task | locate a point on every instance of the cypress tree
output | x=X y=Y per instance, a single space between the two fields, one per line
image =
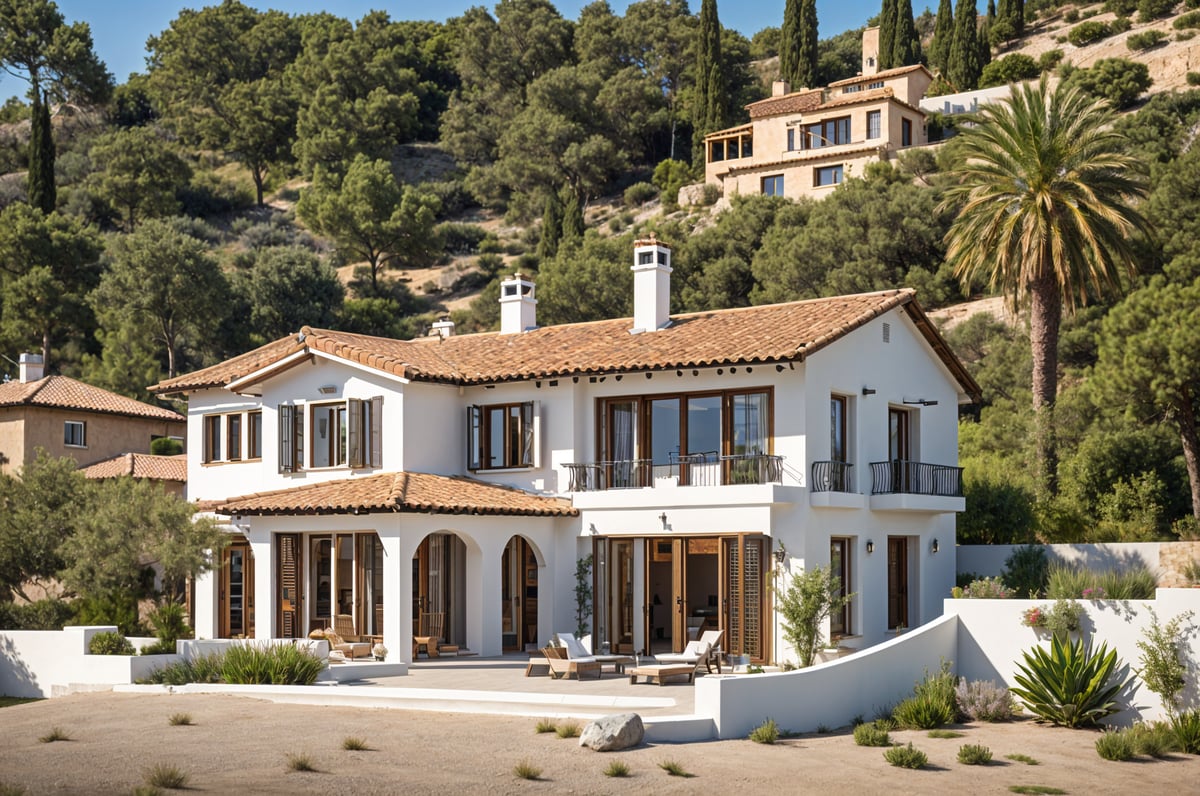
x=708 y=112
x=572 y=222
x=40 y=179
x=907 y=48
x=789 y=42
x=1017 y=16
x=962 y=64
x=983 y=39
x=552 y=229
x=806 y=66
x=887 y=33
x=943 y=34
x=991 y=10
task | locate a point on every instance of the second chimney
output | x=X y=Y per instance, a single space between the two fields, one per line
x=651 y=285
x=518 y=307
x=31 y=367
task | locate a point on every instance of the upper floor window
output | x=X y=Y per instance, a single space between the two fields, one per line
x=501 y=436
x=827 y=175
x=791 y=139
x=212 y=438
x=899 y=440
x=232 y=437
x=254 y=435
x=905 y=132
x=233 y=434
x=829 y=132
x=838 y=431
x=75 y=433
x=874 y=119
x=773 y=185
x=345 y=433
x=875 y=84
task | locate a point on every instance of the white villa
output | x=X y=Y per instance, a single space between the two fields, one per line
x=691 y=456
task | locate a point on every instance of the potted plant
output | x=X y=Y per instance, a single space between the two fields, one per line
x=379 y=651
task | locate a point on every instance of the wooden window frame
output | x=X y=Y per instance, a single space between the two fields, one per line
x=212 y=435
x=840 y=621
x=254 y=435
x=838 y=171
x=839 y=428
x=906 y=132
x=233 y=437
x=291 y=438
x=519 y=436
x=776 y=182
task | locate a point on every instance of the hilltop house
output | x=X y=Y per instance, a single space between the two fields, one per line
x=67 y=417
x=691 y=456
x=804 y=143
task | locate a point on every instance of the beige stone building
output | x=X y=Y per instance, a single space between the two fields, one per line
x=805 y=143
x=69 y=418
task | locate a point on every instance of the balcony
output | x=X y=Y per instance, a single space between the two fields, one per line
x=905 y=485
x=831 y=486
x=697 y=469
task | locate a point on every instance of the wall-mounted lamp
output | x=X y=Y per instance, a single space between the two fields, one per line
x=933 y=548
x=663 y=518
x=327 y=389
x=868 y=390
x=870 y=547
x=919 y=402
x=780 y=553
x=592 y=528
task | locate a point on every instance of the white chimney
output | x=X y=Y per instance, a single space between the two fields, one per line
x=443 y=328
x=651 y=284
x=518 y=307
x=781 y=88
x=31 y=366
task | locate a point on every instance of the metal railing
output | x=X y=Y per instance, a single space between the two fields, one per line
x=693 y=469
x=832 y=476
x=901 y=476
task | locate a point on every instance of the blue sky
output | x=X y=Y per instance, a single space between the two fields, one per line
x=120 y=27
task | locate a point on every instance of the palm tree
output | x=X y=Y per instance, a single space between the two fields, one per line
x=1044 y=188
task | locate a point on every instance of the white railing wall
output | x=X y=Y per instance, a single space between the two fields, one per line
x=828 y=694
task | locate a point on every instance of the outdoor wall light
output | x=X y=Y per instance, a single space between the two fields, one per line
x=780 y=554
x=870 y=547
x=327 y=389
x=920 y=402
x=868 y=390
x=933 y=548
x=663 y=518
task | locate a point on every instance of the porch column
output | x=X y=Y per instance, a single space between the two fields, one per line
x=264 y=582
x=484 y=592
x=397 y=599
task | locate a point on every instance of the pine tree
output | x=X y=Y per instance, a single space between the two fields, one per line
x=40 y=180
x=907 y=47
x=943 y=34
x=887 y=33
x=708 y=111
x=806 y=66
x=963 y=67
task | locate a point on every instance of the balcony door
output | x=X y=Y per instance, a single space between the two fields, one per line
x=236 y=588
x=897 y=568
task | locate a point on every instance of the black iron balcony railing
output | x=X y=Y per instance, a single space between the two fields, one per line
x=901 y=476
x=831 y=476
x=694 y=469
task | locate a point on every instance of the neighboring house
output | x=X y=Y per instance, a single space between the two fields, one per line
x=692 y=456
x=170 y=471
x=805 y=143
x=69 y=418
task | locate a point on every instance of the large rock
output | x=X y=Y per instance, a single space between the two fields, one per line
x=613 y=733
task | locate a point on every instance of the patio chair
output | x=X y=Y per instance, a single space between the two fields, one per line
x=579 y=660
x=343 y=639
x=429 y=633
x=713 y=639
x=695 y=653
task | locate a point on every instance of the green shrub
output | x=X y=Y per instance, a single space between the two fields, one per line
x=710 y=194
x=1025 y=569
x=1071 y=15
x=1155 y=739
x=1020 y=758
x=1193 y=79
x=569 y=729
x=459 y=238
x=1122 y=8
x=983 y=700
x=544 y=726
x=871 y=735
x=1074 y=583
x=40 y=615
x=352 y=743
x=617 y=768
x=974 y=755
x=110 y=643
x=1120 y=25
x=204 y=669
x=1011 y=68
x=1145 y=40
x=159 y=648
x=162 y=775
x=1070 y=685
x=1050 y=59
x=526 y=770
x=1189 y=20
x=984 y=589
x=1187 y=731
x=1185 y=35
x=639 y=193
x=301 y=761
x=55 y=734
x=1164 y=670
x=767 y=732
x=277 y=664
x=180 y=719
x=924 y=712
x=940 y=685
x=906 y=757
x=1115 y=745
x=1086 y=33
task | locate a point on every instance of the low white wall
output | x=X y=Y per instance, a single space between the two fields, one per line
x=190 y=649
x=988 y=559
x=991 y=640
x=46 y=663
x=828 y=694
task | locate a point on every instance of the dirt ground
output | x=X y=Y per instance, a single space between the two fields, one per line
x=242 y=745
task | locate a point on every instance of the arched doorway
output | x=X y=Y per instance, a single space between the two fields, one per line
x=519 y=595
x=439 y=568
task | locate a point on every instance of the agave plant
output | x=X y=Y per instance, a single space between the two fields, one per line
x=1070 y=685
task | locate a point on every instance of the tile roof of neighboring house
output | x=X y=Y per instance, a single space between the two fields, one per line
x=746 y=335
x=807 y=156
x=140 y=465
x=741 y=128
x=63 y=392
x=796 y=102
x=397 y=492
x=884 y=75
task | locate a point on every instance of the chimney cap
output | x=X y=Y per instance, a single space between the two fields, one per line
x=651 y=241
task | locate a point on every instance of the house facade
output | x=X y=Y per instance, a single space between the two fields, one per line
x=687 y=460
x=67 y=417
x=805 y=143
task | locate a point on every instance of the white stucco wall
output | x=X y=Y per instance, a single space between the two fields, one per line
x=988 y=560
x=48 y=663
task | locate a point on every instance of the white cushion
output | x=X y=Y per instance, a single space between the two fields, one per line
x=575 y=650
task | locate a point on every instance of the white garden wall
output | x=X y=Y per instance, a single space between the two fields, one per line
x=988 y=559
x=47 y=663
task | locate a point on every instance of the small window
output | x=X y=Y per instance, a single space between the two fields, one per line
x=254 y=435
x=501 y=436
x=873 y=124
x=329 y=433
x=827 y=175
x=905 y=132
x=645 y=258
x=716 y=151
x=291 y=438
x=731 y=149
x=75 y=433
x=212 y=438
x=876 y=84
x=773 y=186
x=233 y=437
x=791 y=139
x=839 y=567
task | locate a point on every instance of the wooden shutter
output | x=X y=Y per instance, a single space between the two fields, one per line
x=474 y=437
x=287 y=442
x=529 y=441
x=376 y=431
x=288 y=552
x=354 y=424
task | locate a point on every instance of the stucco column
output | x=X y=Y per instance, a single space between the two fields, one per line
x=397 y=608
x=483 y=591
x=264 y=580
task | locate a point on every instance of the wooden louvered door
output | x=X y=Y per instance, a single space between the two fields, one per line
x=744 y=595
x=290 y=597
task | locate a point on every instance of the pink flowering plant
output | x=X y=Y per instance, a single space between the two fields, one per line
x=1094 y=593
x=1034 y=617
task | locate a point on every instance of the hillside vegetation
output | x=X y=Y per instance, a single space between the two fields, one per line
x=270 y=171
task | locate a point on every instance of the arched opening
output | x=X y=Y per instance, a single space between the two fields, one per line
x=439 y=568
x=519 y=595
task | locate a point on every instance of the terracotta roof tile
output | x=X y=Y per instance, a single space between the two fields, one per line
x=884 y=75
x=63 y=392
x=799 y=156
x=741 y=128
x=140 y=465
x=796 y=102
x=747 y=335
x=398 y=492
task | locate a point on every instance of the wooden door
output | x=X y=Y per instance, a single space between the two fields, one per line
x=897 y=582
x=744 y=587
x=679 y=592
x=290 y=596
x=236 y=592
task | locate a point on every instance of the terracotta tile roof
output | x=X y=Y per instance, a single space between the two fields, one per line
x=873 y=95
x=807 y=156
x=741 y=128
x=398 y=492
x=140 y=465
x=884 y=75
x=63 y=392
x=796 y=102
x=746 y=335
